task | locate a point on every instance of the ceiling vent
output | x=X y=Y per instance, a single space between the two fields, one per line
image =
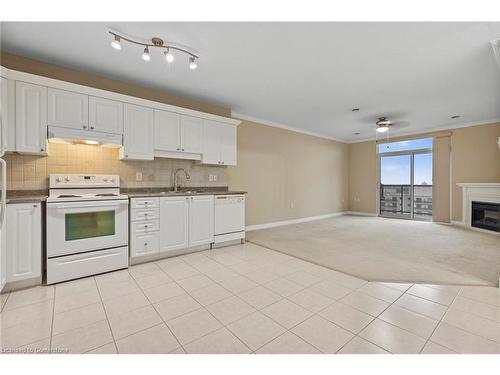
x=495 y=44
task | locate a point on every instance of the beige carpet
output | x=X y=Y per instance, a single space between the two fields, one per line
x=382 y=249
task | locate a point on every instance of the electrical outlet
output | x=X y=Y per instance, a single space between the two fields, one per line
x=215 y=177
x=138 y=176
x=210 y=177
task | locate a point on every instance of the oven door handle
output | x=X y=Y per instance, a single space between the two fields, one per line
x=90 y=205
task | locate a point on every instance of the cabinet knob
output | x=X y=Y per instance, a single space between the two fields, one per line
x=182 y=149
x=145 y=226
x=35 y=205
x=42 y=149
x=145 y=244
x=91 y=128
x=85 y=126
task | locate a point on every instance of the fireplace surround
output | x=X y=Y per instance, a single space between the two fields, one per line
x=480 y=199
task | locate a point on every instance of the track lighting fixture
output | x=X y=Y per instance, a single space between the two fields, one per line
x=145 y=54
x=192 y=63
x=155 y=43
x=115 y=43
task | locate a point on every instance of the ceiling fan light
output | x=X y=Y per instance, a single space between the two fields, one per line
x=145 y=54
x=192 y=63
x=382 y=128
x=169 y=58
x=115 y=43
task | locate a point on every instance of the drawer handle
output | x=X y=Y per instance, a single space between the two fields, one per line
x=145 y=226
x=145 y=214
x=145 y=244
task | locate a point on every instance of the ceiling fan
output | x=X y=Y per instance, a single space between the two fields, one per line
x=383 y=124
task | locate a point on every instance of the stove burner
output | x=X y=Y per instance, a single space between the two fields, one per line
x=68 y=196
x=106 y=195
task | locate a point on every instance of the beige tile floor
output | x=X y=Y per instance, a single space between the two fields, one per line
x=247 y=299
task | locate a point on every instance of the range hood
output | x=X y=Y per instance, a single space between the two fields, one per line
x=57 y=134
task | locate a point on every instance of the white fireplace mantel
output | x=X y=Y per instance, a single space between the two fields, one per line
x=478 y=192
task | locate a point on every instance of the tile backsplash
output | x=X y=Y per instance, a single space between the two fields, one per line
x=29 y=172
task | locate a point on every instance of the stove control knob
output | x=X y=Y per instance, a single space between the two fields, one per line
x=111 y=179
x=105 y=179
x=59 y=179
x=67 y=179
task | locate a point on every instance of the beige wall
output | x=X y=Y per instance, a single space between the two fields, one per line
x=29 y=172
x=475 y=157
x=362 y=177
x=288 y=175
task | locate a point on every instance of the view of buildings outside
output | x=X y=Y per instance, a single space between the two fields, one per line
x=395 y=175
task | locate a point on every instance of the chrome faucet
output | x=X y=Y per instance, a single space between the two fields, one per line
x=175 y=177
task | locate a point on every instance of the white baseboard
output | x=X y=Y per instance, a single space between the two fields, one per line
x=359 y=213
x=274 y=224
x=458 y=223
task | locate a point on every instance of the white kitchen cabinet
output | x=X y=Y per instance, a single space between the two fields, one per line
x=219 y=143
x=31 y=118
x=191 y=134
x=167 y=131
x=24 y=241
x=68 y=109
x=174 y=223
x=105 y=115
x=178 y=133
x=201 y=220
x=138 y=133
x=4 y=118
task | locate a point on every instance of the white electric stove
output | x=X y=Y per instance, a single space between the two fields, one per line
x=87 y=226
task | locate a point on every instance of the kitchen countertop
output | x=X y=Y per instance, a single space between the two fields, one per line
x=38 y=196
x=167 y=192
x=27 y=196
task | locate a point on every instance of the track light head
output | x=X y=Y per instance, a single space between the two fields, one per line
x=192 y=63
x=115 y=43
x=169 y=58
x=145 y=54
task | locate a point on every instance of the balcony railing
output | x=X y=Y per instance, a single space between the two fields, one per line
x=395 y=200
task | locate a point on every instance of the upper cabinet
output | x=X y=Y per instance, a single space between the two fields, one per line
x=167 y=131
x=68 y=109
x=31 y=118
x=4 y=107
x=138 y=133
x=178 y=133
x=105 y=115
x=191 y=134
x=219 y=143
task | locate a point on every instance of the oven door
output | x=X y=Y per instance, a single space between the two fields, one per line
x=76 y=227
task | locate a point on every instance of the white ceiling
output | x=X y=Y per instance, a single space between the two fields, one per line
x=302 y=75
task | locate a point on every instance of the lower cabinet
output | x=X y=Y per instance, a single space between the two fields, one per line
x=184 y=222
x=24 y=241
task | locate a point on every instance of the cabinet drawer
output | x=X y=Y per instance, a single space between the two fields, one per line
x=144 y=244
x=146 y=214
x=145 y=226
x=144 y=203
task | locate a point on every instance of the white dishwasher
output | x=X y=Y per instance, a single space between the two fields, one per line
x=229 y=217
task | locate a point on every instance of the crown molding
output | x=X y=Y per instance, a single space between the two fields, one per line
x=273 y=124
x=435 y=128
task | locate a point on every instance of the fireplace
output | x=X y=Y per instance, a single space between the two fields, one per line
x=486 y=215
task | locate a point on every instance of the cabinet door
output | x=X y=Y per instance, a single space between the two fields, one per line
x=174 y=223
x=68 y=109
x=31 y=118
x=3 y=115
x=24 y=242
x=228 y=144
x=211 y=142
x=138 y=130
x=167 y=131
x=201 y=220
x=191 y=134
x=105 y=115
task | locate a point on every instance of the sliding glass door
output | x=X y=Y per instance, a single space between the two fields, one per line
x=405 y=180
